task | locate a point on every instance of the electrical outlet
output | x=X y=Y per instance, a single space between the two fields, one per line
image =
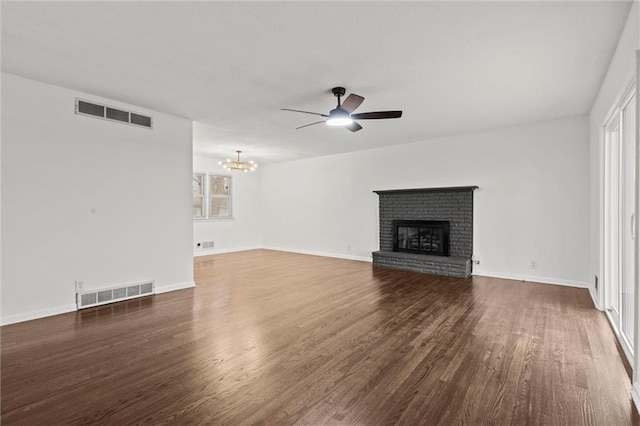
x=79 y=286
x=534 y=264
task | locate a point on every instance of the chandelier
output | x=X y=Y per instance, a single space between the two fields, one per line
x=237 y=165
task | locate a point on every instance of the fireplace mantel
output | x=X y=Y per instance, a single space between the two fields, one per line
x=420 y=190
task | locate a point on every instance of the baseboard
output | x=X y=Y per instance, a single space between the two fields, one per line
x=594 y=298
x=174 y=287
x=532 y=279
x=320 y=253
x=232 y=250
x=28 y=316
x=635 y=395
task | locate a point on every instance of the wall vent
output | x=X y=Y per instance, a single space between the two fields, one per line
x=105 y=112
x=90 y=298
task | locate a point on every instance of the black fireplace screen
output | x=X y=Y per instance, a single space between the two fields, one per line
x=421 y=236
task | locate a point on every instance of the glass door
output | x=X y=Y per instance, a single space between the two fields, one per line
x=628 y=183
x=619 y=221
x=612 y=263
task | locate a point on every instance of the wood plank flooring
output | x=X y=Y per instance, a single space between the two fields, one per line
x=269 y=337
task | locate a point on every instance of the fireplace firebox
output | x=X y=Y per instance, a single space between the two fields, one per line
x=421 y=236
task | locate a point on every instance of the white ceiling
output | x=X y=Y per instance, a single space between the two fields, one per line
x=452 y=67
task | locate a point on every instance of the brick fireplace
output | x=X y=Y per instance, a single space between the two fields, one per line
x=405 y=215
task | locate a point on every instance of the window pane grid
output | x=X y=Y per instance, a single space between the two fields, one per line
x=211 y=196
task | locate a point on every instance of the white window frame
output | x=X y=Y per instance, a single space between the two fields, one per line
x=202 y=196
x=208 y=196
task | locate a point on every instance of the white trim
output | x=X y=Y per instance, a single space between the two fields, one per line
x=323 y=254
x=202 y=195
x=229 y=197
x=216 y=251
x=174 y=287
x=635 y=390
x=542 y=280
x=601 y=249
x=28 y=316
x=207 y=197
x=621 y=339
x=627 y=91
x=614 y=114
x=629 y=88
x=594 y=298
x=532 y=279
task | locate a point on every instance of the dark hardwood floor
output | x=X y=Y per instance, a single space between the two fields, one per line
x=279 y=338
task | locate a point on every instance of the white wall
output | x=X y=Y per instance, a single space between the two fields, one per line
x=88 y=199
x=243 y=232
x=532 y=203
x=621 y=71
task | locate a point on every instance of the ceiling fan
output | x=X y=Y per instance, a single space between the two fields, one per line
x=342 y=114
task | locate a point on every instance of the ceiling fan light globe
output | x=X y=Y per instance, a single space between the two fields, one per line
x=339 y=117
x=339 y=121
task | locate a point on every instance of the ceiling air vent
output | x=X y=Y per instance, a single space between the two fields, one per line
x=112 y=114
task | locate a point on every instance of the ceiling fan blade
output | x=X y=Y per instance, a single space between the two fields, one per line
x=352 y=102
x=376 y=115
x=354 y=127
x=306 y=112
x=310 y=124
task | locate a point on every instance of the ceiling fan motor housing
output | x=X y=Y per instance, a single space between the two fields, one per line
x=338 y=113
x=339 y=91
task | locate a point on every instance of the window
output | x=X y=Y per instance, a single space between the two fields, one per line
x=198 y=195
x=211 y=196
x=219 y=196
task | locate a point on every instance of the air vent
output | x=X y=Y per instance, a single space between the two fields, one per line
x=90 y=109
x=112 y=114
x=116 y=114
x=88 y=299
x=140 y=120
